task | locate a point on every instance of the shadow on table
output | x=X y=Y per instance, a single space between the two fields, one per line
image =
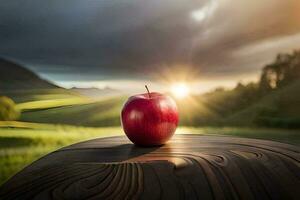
x=95 y=154
x=130 y=151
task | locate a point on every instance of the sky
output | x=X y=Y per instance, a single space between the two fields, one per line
x=128 y=43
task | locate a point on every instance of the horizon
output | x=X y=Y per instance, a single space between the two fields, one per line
x=197 y=87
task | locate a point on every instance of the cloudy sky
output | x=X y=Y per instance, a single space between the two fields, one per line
x=127 y=42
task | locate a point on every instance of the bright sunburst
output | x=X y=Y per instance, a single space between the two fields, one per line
x=180 y=90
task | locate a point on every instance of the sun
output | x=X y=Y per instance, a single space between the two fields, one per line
x=180 y=90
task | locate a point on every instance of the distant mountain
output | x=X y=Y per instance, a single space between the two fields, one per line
x=94 y=92
x=14 y=76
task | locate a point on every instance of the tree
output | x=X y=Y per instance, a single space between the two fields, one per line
x=8 y=110
x=284 y=70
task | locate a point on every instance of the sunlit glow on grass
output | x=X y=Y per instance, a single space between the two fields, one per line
x=180 y=90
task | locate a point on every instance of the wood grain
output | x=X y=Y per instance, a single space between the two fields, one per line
x=188 y=167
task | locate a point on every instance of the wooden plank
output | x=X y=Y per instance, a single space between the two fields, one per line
x=188 y=167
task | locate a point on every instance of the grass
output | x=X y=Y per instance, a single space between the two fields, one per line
x=51 y=103
x=279 y=135
x=23 y=96
x=279 y=108
x=21 y=143
x=104 y=112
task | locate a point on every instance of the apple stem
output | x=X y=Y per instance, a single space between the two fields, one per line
x=148 y=91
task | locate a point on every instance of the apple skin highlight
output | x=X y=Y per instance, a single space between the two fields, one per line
x=149 y=119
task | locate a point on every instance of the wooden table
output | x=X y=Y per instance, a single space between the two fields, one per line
x=188 y=167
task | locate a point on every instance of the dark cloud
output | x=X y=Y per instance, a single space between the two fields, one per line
x=100 y=39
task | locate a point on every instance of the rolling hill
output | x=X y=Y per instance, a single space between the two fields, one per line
x=22 y=85
x=14 y=76
x=105 y=112
x=94 y=92
x=43 y=102
x=279 y=108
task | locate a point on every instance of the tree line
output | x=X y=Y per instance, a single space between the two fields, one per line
x=279 y=108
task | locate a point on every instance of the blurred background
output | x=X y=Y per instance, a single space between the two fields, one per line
x=68 y=66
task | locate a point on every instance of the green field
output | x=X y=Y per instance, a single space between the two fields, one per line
x=74 y=111
x=279 y=108
x=21 y=143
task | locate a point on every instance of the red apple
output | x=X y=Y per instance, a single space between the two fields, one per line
x=149 y=119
